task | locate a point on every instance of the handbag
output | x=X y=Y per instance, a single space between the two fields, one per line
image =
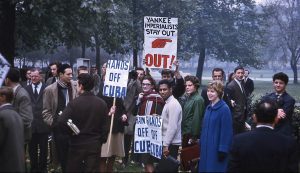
x=189 y=156
x=167 y=164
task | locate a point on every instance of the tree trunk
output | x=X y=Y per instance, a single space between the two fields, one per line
x=293 y=63
x=82 y=49
x=7 y=30
x=97 y=46
x=135 y=37
x=201 y=64
x=71 y=56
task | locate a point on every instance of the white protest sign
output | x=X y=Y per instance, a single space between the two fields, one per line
x=141 y=135
x=148 y=135
x=4 y=68
x=160 y=41
x=116 y=78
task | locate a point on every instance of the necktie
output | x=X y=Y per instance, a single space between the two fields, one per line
x=242 y=86
x=36 y=94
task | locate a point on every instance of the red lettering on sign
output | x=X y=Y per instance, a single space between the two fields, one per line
x=158 y=60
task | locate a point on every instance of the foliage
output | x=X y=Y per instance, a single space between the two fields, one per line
x=283 y=37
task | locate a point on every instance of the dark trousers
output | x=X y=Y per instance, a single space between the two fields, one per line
x=127 y=146
x=61 y=142
x=238 y=126
x=84 y=158
x=173 y=151
x=38 y=149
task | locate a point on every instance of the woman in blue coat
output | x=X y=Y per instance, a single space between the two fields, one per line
x=216 y=135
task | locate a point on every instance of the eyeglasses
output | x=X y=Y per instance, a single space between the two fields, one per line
x=146 y=84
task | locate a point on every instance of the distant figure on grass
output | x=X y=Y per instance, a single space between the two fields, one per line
x=249 y=84
x=263 y=149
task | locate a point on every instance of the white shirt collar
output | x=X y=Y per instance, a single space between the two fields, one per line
x=5 y=104
x=15 y=88
x=169 y=99
x=263 y=125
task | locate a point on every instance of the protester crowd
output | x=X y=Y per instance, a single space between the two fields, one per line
x=76 y=116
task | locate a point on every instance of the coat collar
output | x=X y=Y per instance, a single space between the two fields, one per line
x=218 y=105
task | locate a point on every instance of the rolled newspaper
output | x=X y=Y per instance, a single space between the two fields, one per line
x=73 y=127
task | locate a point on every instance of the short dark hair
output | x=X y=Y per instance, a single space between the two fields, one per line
x=36 y=69
x=281 y=76
x=167 y=72
x=238 y=68
x=149 y=78
x=13 y=75
x=193 y=79
x=132 y=75
x=139 y=68
x=61 y=68
x=82 y=67
x=218 y=69
x=8 y=93
x=54 y=63
x=165 y=81
x=266 y=111
x=87 y=81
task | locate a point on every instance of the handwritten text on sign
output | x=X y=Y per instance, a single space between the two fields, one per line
x=160 y=41
x=148 y=135
x=116 y=77
x=4 y=68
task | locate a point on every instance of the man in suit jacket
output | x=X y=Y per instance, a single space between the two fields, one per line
x=40 y=130
x=249 y=84
x=217 y=74
x=28 y=78
x=262 y=149
x=54 y=75
x=21 y=101
x=90 y=114
x=285 y=103
x=238 y=99
x=55 y=98
x=11 y=135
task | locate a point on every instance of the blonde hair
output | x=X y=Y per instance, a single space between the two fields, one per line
x=217 y=86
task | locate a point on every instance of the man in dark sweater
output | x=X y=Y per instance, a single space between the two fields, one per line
x=89 y=113
x=175 y=79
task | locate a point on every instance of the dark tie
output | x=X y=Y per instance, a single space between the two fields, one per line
x=35 y=94
x=242 y=86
